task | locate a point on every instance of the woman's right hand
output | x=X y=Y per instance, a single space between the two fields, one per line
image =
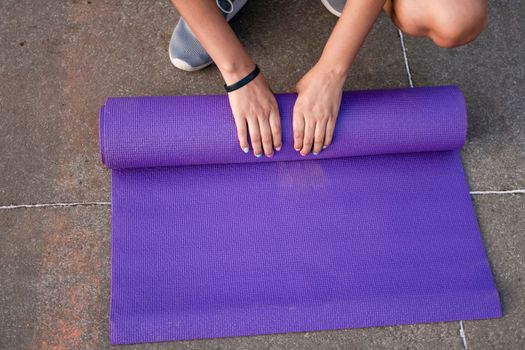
x=257 y=117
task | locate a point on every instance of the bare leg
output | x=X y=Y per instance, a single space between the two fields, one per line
x=449 y=23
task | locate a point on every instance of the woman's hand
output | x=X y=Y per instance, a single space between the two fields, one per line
x=254 y=107
x=316 y=109
x=256 y=115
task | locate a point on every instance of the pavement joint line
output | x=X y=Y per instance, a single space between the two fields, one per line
x=405 y=57
x=517 y=191
x=102 y=203
x=54 y=205
x=463 y=335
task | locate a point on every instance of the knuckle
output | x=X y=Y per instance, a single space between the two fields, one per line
x=266 y=139
x=264 y=116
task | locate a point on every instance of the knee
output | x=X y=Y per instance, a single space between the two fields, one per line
x=454 y=27
x=451 y=24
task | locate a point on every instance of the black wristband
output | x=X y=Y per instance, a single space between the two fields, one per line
x=243 y=81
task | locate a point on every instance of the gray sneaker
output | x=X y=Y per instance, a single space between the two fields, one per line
x=185 y=51
x=334 y=6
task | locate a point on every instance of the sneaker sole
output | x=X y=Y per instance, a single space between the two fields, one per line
x=329 y=7
x=241 y=4
x=182 y=65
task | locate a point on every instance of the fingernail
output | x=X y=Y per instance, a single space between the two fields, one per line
x=297 y=149
x=259 y=155
x=246 y=149
x=304 y=155
x=315 y=153
x=325 y=146
x=278 y=148
x=270 y=155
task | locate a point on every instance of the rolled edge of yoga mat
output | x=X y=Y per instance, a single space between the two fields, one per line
x=140 y=132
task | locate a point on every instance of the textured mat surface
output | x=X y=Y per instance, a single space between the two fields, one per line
x=379 y=229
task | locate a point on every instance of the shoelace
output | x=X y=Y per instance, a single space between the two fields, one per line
x=230 y=2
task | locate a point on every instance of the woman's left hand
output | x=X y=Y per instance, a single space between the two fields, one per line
x=316 y=109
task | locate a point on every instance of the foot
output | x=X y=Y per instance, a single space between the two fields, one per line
x=334 y=6
x=185 y=51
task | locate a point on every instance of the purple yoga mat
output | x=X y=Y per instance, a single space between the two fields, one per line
x=379 y=229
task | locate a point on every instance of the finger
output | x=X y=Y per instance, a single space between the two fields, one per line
x=298 y=130
x=320 y=130
x=255 y=136
x=275 y=125
x=242 y=134
x=266 y=136
x=330 y=127
x=308 y=139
